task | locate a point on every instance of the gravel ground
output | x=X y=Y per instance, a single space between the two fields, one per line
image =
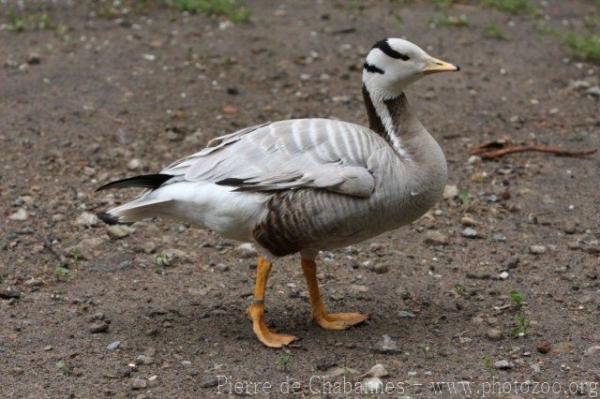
x=498 y=283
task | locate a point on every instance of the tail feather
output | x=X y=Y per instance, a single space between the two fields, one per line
x=137 y=210
x=108 y=218
x=145 y=181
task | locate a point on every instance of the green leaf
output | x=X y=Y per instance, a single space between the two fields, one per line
x=63 y=367
x=516 y=297
x=511 y=6
x=584 y=46
x=464 y=196
x=60 y=271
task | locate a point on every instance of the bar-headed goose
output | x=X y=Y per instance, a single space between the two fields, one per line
x=306 y=185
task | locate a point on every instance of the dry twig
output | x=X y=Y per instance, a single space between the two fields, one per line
x=500 y=148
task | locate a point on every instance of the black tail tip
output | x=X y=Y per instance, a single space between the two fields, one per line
x=107 y=218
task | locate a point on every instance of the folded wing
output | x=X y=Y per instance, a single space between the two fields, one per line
x=288 y=155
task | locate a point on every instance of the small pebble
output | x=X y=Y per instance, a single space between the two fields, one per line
x=376 y=371
x=358 y=288
x=450 y=191
x=34 y=282
x=503 y=365
x=592 y=350
x=570 y=227
x=494 y=334
x=388 y=346
x=246 y=250
x=143 y=359
x=405 y=314
x=113 y=345
x=473 y=159
x=97 y=328
x=171 y=257
x=118 y=231
x=543 y=346
x=535 y=367
x=134 y=164
x=149 y=247
x=593 y=91
x=499 y=237
x=470 y=233
x=87 y=219
x=97 y=316
x=468 y=221
x=435 y=237
x=20 y=215
x=208 y=381
x=537 y=249
x=34 y=59
x=138 y=383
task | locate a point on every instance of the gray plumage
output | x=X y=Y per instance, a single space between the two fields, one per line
x=288 y=155
x=311 y=184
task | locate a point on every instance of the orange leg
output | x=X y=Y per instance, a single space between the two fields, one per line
x=329 y=321
x=256 y=311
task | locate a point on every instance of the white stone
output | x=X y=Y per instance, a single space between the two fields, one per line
x=87 y=219
x=134 y=164
x=592 y=350
x=473 y=159
x=119 y=231
x=246 y=250
x=450 y=191
x=503 y=365
x=537 y=249
x=20 y=215
x=377 y=371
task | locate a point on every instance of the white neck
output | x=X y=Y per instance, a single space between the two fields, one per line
x=379 y=96
x=373 y=83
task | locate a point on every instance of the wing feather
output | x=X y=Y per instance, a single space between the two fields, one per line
x=288 y=155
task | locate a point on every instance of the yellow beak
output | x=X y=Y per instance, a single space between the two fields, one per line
x=434 y=65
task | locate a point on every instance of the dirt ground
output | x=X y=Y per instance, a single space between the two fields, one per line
x=102 y=94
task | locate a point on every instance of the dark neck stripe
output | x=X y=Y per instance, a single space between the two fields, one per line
x=384 y=46
x=398 y=110
x=375 y=122
x=372 y=68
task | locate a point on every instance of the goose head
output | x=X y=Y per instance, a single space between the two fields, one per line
x=392 y=64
